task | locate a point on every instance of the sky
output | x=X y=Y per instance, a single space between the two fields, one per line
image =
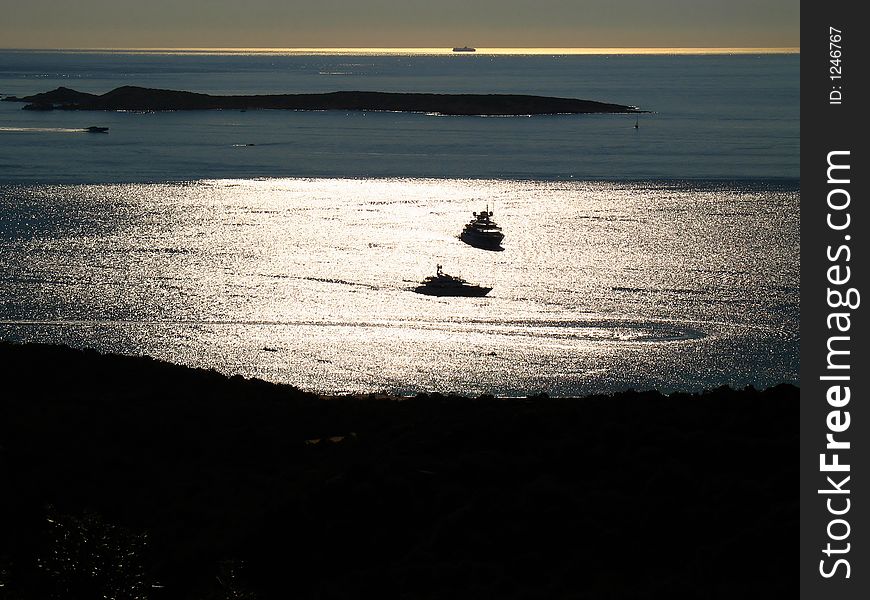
x=398 y=23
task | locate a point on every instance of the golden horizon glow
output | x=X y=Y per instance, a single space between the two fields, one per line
x=431 y=51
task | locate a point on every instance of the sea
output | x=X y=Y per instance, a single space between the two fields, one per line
x=285 y=245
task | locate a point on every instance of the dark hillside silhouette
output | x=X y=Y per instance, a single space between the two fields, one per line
x=130 y=474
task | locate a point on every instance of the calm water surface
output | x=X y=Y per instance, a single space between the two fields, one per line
x=713 y=117
x=664 y=257
x=600 y=286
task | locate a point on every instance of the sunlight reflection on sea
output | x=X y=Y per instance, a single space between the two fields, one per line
x=601 y=286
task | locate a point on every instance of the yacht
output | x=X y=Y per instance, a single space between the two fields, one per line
x=95 y=129
x=465 y=49
x=442 y=284
x=482 y=232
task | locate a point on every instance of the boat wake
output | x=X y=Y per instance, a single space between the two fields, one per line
x=43 y=130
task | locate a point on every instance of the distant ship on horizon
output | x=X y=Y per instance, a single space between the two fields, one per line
x=465 y=49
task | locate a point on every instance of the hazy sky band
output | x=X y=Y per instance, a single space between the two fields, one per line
x=400 y=23
x=406 y=51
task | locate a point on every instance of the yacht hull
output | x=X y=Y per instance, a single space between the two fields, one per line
x=483 y=242
x=469 y=291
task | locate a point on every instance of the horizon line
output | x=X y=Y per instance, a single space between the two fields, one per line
x=494 y=50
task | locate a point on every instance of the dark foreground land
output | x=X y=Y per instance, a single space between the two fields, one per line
x=146 y=99
x=131 y=478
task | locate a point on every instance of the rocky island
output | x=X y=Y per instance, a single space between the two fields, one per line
x=147 y=99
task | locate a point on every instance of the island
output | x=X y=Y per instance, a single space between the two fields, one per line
x=147 y=99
